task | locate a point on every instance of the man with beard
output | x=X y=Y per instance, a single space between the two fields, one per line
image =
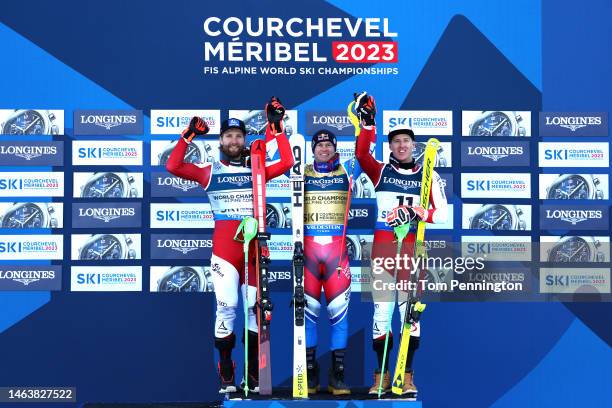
x=229 y=186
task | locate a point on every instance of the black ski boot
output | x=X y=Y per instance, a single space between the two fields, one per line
x=336 y=384
x=312 y=368
x=226 y=375
x=226 y=366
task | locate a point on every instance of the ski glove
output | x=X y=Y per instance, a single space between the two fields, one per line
x=404 y=214
x=366 y=109
x=197 y=127
x=275 y=112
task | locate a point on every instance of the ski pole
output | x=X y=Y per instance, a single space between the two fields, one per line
x=400 y=233
x=248 y=228
x=350 y=191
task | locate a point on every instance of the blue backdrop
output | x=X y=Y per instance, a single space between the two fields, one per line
x=472 y=55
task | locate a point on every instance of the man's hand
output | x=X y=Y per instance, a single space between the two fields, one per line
x=197 y=127
x=365 y=106
x=275 y=112
x=404 y=214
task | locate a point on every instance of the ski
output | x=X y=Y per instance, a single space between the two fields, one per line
x=414 y=308
x=300 y=382
x=264 y=303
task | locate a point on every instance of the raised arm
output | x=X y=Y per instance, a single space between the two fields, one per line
x=276 y=140
x=176 y=164
x=362 y=113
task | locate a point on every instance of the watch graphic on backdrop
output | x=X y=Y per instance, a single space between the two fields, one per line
x=362 y=187
x=107 y=247
x=576 y=249
x=186 y=279
x=498 y=217
x=575 y=187
x=195 y=153
x=255 y=122
x=277 y=216
x=109 y=185
x=355 y=247
x=498 y=123
x=30 y=122
x=419 y=153
x=29 y=215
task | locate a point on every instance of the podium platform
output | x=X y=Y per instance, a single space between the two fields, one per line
x=282 y=398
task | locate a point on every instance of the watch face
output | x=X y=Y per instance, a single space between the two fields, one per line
x=104 y=247
x=574 y=249
x=272 y=217
x=26 y=123
x=574 y=187
x=494 y=124
x=109 y=185
x=28 y=215
x=495 y=218
x=418 y=152
x=352 y=250
x=192 y=155
x=183 y=279
x=257 y=124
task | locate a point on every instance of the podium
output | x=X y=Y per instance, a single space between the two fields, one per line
x=282 y=398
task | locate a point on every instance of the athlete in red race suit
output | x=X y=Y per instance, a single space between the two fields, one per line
x=398 y=191
x=228 y=184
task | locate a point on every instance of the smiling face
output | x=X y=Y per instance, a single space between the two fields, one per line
x=324 y=151
x=232 y=143
x=401 y=146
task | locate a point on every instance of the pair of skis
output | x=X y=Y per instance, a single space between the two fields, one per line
x=414 y=308
x=255 y=227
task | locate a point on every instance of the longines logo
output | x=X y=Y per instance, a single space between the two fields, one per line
x=403 y=184
x=574 y=216
x=273 y=276
x=106 y=214
x=324 y=182
x=495 y=152
x=178 y=183
x=573 y=122
x=358 y=213
x=184 y=245
x=28 y=152
x=26 y=277
x=108 y=121
x=236 y=180
x=336 y=121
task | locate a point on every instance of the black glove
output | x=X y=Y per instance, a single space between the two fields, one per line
x=197 y=127
x=366 y=108
x=275 y=112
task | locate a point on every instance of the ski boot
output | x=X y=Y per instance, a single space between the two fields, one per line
x=336 y=384
x=409 y=388
x=253 y=384
x=312 y=370
x=313 y=378
x=226 y=375
x=386 y=383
